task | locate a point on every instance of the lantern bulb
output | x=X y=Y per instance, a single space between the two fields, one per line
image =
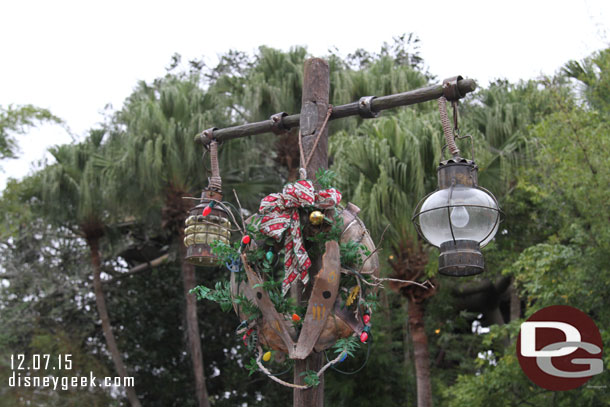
x=366 y=318
x=245 y=239
x=206 y=211
x=295 y=318
x=459 y=217
x=364 y=337
x=267 y=356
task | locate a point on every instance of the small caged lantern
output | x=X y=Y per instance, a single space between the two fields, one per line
x=460 y=217
x=208 y=221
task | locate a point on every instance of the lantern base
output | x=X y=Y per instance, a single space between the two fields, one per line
x=201 y=255
x=460 y=258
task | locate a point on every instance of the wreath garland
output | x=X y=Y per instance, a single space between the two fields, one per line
x=275 y=252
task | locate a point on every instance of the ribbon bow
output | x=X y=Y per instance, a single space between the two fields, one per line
x=280 y=213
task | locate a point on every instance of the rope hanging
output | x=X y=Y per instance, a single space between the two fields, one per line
x=214 y=182
x=449 y=136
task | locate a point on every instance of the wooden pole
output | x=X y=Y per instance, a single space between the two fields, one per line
x=351 y=109
x=314 y=106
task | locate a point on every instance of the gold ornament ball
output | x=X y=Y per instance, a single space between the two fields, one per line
x=316 y=218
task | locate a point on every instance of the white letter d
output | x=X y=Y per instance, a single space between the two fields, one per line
x=528 y=338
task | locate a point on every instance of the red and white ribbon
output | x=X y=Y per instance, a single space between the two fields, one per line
x=280 y=214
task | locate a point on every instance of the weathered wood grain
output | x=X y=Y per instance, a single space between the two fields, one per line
x=339 y=112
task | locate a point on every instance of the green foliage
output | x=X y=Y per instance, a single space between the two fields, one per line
x=225 y=252
x=325 y=178
x=351 y=253
x=17 y=120
x=221 y=294
x=386 y=167
x=557 y=242
x=348 y=345
x=311 y=378
x=251 y=366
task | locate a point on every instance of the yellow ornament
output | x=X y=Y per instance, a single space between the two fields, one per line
x=353 y=293
x=267 y=356
x=316 y=218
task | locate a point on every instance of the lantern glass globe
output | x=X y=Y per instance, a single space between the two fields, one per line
x=472 y=212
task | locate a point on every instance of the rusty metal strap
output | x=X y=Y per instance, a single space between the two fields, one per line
x=365 y=107
x=451 y=91
x=278 y=127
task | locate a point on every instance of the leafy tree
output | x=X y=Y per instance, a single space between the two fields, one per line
x=386 y=168
x=72 y=196
x=159 y=122
x=16 y=120
x=564 y=257
x=45 y=298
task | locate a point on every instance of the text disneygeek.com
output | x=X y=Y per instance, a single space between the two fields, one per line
x=23 y=366
x=66 y=382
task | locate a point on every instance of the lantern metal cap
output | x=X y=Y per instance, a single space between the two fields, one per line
x=460 y=258
x=457 y=171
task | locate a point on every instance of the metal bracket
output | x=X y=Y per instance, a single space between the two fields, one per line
x=309 y=118
x=451 y=91
x=277 y=123
x=365 y=107
x=208 y=134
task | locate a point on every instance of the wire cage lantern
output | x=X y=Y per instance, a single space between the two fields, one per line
x=208 y=221
x=460 y=217
x=201 y=231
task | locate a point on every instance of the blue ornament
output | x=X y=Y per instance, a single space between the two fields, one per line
x=234 y=265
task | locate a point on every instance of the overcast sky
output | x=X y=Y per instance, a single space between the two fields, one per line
x=75 y=57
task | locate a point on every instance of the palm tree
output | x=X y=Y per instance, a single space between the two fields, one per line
x=386 y=167
x=161 y=164
x=72 y=196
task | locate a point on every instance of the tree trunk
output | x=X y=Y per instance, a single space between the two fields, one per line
x=314 y=396
x=420 y=351
x=515 y=303
x=192 y=326
x=406 y=354
x=103 y=312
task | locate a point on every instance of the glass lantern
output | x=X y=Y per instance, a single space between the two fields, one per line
x=459 y=218
x=201 y=231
